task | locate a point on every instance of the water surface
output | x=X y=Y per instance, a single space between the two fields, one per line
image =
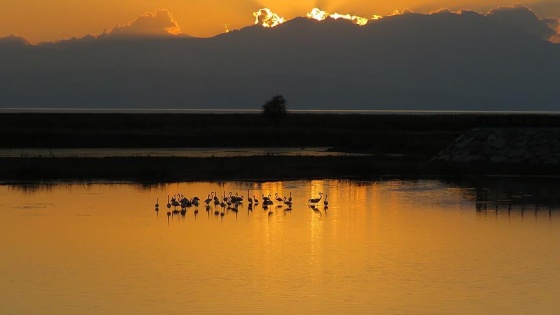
x=168 y=152
x=387 y=247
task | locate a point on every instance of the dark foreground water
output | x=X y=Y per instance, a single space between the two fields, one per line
x=167 y=152
x=488 y=246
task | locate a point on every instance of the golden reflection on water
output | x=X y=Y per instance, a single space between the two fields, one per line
x=379 y=247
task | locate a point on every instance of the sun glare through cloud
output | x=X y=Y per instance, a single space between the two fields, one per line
x=267 y=18
x=320 y=15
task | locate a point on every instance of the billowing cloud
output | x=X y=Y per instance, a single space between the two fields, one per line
x=554 y=23
x=521 y=19
x=453 y=60
x=267 y=18
x=13 y=40
x=159 y=23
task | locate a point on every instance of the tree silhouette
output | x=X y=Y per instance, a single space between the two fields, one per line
x=275 y=108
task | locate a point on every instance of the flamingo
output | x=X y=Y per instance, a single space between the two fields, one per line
x=316 y=200
x=326 y=202
x=267 y=200
x=168 y=203
x=288 y=202
x=175 y=203
x=208 y=200
x=279 y=199
x=157 y=202
x=216 y=199
x=237 y=199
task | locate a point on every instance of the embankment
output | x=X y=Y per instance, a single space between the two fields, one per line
x=397 y=145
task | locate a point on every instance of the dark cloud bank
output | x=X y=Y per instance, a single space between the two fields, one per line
x=503 y=60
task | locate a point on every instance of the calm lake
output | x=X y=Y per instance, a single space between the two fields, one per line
x=486 y=246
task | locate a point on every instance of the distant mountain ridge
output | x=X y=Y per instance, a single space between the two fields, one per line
x=441 y=61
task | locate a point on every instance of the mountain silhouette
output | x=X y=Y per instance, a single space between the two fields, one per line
x=442 y=61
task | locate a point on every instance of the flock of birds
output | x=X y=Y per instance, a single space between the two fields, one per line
x=179 y=203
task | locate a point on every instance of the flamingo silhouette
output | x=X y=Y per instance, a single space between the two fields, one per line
x=287 y=202
x=208 y=200
x=316 y=200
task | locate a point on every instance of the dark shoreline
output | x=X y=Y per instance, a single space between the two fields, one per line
x=263 y=168
x=396 y=145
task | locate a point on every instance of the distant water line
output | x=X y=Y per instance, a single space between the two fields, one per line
x=14 y=110
x=167 y=152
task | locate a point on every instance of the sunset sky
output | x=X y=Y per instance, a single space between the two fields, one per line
x=52 y=20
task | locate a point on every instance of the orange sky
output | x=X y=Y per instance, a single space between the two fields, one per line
x=51 y=20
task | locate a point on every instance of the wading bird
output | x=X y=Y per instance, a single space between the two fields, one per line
x=208 y=200
x=316 y=200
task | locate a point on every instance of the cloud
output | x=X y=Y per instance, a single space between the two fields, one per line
x=522 y=19
x=407 y=11
x=554 y=23
x=159 y=23
x=14 y=41
x=519 y=19
x=441 y=11
x=456 y=60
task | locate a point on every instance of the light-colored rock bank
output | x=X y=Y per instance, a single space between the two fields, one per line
x=504 y=145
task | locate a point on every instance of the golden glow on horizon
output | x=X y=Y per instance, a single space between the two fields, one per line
x=52 y=20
